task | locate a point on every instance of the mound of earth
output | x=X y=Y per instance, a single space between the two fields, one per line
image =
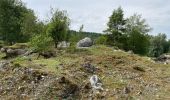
x=67 y=76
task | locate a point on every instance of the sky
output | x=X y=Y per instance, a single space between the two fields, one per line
x=93 y=14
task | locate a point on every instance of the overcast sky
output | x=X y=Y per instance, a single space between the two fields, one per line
x=93 y=14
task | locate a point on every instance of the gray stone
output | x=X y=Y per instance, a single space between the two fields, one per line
x=63 y=44
x=20 y=51
x=10 y=51
x=86 y=42
x=130 y=52
x=89 y=67
x=3 y=49
x=15 y=52
x=165 y=58
x=95 y=82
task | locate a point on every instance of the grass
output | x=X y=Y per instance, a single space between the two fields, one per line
x=113 y=68
x=2 y=55
x=19 y=46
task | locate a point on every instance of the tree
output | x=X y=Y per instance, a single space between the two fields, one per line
x=136 y=33
x=115 y=26
x=81 y=29
x=80 y=35
x=11 y=17
x=58 y=26
x=137 y=42
x=158 y=45
x=29 y=25
x=136 y=22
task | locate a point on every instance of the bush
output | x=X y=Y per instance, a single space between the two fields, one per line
x=41 y=43
x=72 y=48
x=101 y=40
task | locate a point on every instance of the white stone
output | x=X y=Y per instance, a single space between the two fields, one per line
x=63 y=44
x=95 y=82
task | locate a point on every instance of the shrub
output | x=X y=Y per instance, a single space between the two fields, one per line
x=101 y=40
x=72 y=48
x=41 y=43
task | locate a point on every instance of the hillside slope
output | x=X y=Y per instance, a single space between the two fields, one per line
x=66 y=76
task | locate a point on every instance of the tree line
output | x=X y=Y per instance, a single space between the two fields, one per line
x=133 y=34
x=19 y=24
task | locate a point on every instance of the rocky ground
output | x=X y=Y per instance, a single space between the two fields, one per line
x=123 y=75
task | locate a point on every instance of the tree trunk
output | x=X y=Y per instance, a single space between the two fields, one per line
x=56 y=43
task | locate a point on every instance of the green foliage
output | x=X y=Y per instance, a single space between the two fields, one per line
x=138 y=23
x=81 y=29
x=115 y=26
x=81 y=35
x=41 y=43
x=72 y=48
x=17 y=23
x=137 y=42
x=159 y=45
x=74 y=36
x=28 y=26
x=58 y=26
x=11 y=19
x=101 y=40
x=136 y=33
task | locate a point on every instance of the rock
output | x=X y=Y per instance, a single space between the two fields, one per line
x=3 y=49
x=127 y=90
x=86 y=42
x=63 y=44
x=69 y=91
x=29 y=52
x=89 y=68
x=130 y=52
x=15 y=52
x=165 y=58
x=10 y=51
x=20 y=51
x=48 y=54
x=95 y=82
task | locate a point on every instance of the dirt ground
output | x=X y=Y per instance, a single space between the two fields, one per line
x=124 y=76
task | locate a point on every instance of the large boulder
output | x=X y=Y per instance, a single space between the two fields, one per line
x=86 y=42
x=165 y=58
x=13 y=52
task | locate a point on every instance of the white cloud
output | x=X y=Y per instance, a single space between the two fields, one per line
x=94 y=13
